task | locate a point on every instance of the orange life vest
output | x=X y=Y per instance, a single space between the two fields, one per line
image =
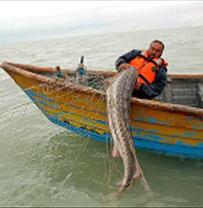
x=146 y=69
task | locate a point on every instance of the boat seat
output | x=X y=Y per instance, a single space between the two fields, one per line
x=200 y=93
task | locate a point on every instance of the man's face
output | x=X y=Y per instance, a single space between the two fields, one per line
x=155 y=50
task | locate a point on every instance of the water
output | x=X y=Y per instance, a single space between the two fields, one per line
x=44 y=165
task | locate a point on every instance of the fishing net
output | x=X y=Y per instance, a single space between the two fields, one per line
x=88 y=108
x=94 y=81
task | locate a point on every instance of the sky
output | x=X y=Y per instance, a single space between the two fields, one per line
x=30 y=20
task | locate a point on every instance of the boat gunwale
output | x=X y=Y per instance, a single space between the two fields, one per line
x=46 y=69
x=157 y=105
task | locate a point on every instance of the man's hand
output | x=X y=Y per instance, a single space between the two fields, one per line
x=123 y=67
x=137 y=85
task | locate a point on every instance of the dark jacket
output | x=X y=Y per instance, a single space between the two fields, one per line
x=145 y=91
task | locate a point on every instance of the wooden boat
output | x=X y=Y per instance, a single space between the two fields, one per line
x=172 y=124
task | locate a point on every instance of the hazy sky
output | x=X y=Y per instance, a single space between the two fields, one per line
x=26 y=20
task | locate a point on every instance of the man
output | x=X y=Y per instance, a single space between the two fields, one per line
x=151 y=68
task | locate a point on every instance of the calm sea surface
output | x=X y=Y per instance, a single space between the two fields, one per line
x=42 y=164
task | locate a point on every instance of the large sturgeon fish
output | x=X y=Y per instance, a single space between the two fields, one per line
x=119 y=94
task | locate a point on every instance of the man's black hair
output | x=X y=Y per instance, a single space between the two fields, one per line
x=160 y=42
